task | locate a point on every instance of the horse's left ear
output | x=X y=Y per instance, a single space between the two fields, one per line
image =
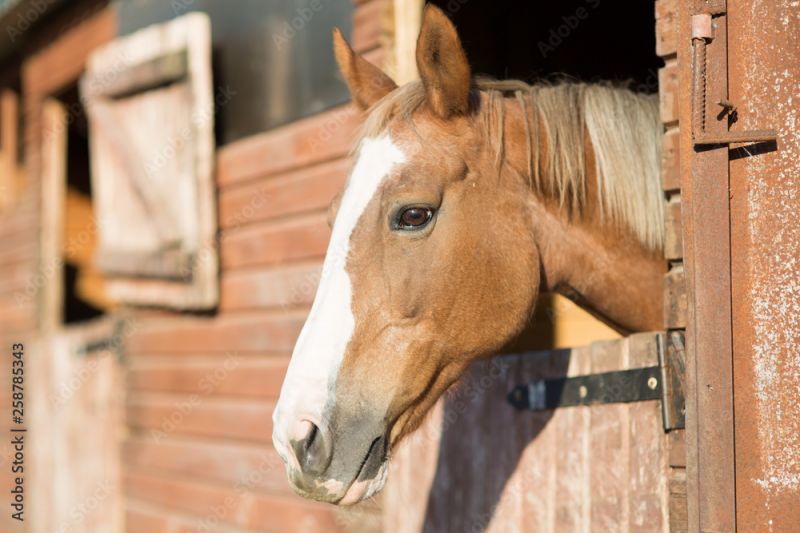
x=367 y=83
x=442 y=64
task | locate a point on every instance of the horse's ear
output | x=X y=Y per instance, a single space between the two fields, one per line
x=442 y=64
x=367 y=83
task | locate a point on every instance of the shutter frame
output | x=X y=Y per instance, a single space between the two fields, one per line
x=158 y=189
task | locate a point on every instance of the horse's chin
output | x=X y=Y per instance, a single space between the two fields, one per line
x=331 y=491
x=362 y=490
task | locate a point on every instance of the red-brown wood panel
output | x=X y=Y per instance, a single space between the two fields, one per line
x=209 y=375
x=230 y=334
x=302 y=190
x=295 y=239
x=322 y=137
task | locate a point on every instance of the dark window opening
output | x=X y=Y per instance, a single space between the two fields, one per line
x=84 y=295
x=586 y=40
x=272 y=59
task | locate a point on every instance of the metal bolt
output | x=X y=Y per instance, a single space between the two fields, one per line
x=583 y=391
x=652 y=383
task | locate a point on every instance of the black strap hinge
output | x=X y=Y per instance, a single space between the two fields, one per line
x=661 y=382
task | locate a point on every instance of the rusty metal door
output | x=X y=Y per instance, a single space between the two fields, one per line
x=764 y=80
x=742 y=243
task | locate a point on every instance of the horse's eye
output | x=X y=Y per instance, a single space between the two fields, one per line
x=414 y=217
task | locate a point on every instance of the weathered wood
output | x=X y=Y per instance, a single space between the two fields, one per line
x=212 y=375
x=600 y=467
x=168 y=165
x=268 y=244
x=673 y=238
x=213 y=461
x=236 y=505
x=367 y=26
x=297 y=191
x=706 y=243
x=54 y=184
x=201 y=415
x=279 y=287
x=325 y=136
x=233 y=333
x=149 y=74
x=666 y=28
x=70 y=465
x=670 y=160
x=676 y=301
x=668 y=91
x=406 y=21
x=678 y=509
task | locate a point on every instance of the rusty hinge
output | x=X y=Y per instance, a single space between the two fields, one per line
x=702 y=33
x=661 y=382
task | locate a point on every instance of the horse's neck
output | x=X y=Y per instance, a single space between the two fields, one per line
x=597 y=264
x=606 y=272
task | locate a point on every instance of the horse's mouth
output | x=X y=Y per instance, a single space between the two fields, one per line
x=371 y=474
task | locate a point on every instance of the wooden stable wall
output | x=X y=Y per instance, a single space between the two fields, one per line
x=201 y=388
x=478 y=464
x=675 y=303
x=53 y=60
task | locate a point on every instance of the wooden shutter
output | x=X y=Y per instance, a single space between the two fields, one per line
x=149 y=101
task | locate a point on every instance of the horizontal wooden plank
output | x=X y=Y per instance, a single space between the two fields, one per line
x=235 y=505
x=676 y=303
x=272 y=243
x=668 y=91
x=322 y=137
x=673 y=238
x=19 y=276
x=257 y=466
x=16 y=318
x=63 y=59
x=670 y=160
x=151 y=517
x=260 y=378
x=666 y=27
x=202 y=415
x=676 y=440
x=282 y=286
x=367 y=20
x=18 y=224
x=19 y=251
x=226 y=334
x=146 y=520
x=299 y=191
x=376 y=56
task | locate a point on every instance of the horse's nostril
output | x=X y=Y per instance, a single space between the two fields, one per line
x=311 y=447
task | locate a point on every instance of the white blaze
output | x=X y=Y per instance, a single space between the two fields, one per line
x=329 y=326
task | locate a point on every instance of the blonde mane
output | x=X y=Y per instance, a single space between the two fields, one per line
x=623 y=128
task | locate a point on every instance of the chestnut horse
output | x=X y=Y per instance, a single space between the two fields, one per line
x=466 y=199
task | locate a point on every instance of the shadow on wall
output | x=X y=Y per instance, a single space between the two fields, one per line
x=461 y=471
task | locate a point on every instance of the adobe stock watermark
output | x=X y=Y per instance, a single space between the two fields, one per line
x=76 y=521
x=569 y=23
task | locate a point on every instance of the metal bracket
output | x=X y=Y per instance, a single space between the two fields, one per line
x=634 y=385
x=662 y=382
x=702 y=33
